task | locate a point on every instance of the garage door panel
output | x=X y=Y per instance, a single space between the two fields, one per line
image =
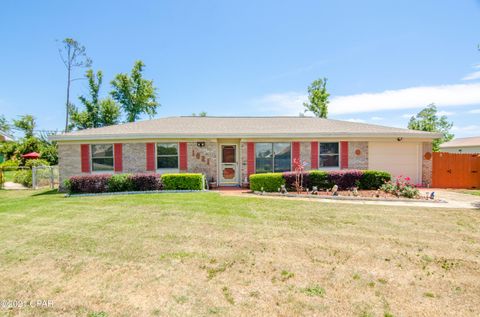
x=399 y=159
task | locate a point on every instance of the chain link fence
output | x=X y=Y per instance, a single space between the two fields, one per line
x=45 y=176
x=21 y=177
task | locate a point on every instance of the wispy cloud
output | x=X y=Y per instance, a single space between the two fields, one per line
x=474 y=111
x=376 y=118
x=356 y=120
x=474 y=75
x=467 y=128
x=445 y=113
x=409 y=98
x=408 y=115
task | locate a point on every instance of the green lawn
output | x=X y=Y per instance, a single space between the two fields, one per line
x=472 y=192
x=206 y=254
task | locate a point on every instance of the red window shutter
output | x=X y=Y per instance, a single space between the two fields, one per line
x=117 y=157
x=343 y=154
x=314 y=155
x=250 y=158
x=183 y=156
x=150 y=156
x=85 y=157
x=295 y=153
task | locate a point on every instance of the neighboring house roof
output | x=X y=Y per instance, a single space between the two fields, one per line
x=462 y=142
x=5 y=137
x=241 y=127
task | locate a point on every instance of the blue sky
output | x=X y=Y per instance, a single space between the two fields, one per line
x=384 y=60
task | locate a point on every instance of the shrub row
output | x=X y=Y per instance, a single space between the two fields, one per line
x=344 y=179
x=101 y=183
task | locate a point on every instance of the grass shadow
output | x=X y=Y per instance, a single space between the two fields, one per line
x=47 y=192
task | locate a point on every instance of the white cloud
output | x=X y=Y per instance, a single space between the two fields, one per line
x=356 y=120
x=376 y=118
x=408 y=98
x=408 y=115
x=472 y=76
x=474 y=111
x=472 y=127
x=445 y=113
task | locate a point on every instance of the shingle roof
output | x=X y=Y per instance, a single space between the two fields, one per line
x=472 y=141
x=241 y=127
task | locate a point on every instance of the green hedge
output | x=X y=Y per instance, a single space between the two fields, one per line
x=374 y=179
x=269 y=182
x=345 y=179
x=185 y=181
x=120 y=183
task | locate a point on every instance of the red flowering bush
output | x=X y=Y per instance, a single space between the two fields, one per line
x=401 y=187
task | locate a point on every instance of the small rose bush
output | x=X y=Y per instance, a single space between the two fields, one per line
x=401 y=187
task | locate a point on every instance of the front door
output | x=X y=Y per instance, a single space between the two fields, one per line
x=228 y=164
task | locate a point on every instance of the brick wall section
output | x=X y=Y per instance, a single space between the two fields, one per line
x=427 y=164
x=69 y=161
x=202 y=159
x=305 y=154
x=243 y=162
x=134 y=158
x=358 y=161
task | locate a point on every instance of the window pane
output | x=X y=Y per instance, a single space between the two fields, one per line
x=102 y=150
x=167 y=149
x=167 y=162
x=102 y=164
x=282 y=157
x=263 y=157
x=228 y=154
x=329 y=148
x=329 y=161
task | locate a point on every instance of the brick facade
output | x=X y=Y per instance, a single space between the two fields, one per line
x=358 y=155
x=205 y=159
x=427 y=164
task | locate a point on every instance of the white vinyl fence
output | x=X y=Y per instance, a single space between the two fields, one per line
x=45 y=176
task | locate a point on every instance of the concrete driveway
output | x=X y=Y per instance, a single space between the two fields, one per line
x=455 y=198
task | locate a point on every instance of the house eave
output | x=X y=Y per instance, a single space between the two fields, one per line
x=142 y=136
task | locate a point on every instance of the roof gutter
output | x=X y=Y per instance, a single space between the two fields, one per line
x=134 y=136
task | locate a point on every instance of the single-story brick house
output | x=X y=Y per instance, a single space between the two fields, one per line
x=462 y=145
x=229 y=149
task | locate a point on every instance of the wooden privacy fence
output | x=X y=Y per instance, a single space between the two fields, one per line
x=452 y=170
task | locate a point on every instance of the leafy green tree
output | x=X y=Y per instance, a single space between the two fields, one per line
x=4 y=125
x=200 y=114
x=135 y=94
x=98 y=112
x=428 y=120
x=73 y=55
x=318 y=98
x=27 y=124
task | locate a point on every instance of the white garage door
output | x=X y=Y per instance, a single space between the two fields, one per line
x=396 y=158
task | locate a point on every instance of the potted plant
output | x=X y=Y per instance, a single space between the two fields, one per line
x=212 y=183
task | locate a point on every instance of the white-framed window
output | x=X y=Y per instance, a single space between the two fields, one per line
x=102 y=157
x=329 y=155
x=273 y=157
x=167 y=156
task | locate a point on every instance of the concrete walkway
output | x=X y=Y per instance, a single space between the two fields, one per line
x=454 y=199
x=13 y=186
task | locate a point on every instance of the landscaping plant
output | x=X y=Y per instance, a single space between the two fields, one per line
x=401 y=187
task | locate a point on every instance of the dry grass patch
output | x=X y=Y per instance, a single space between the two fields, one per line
x=205 y=254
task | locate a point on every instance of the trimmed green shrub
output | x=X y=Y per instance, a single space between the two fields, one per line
x=183 y=181
x=120 y=183
x=374 y=179
x=269 y=182
x=319 y=179
x=37 y=162
x=2 y=178
x=23 y=177
x=9 y=165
